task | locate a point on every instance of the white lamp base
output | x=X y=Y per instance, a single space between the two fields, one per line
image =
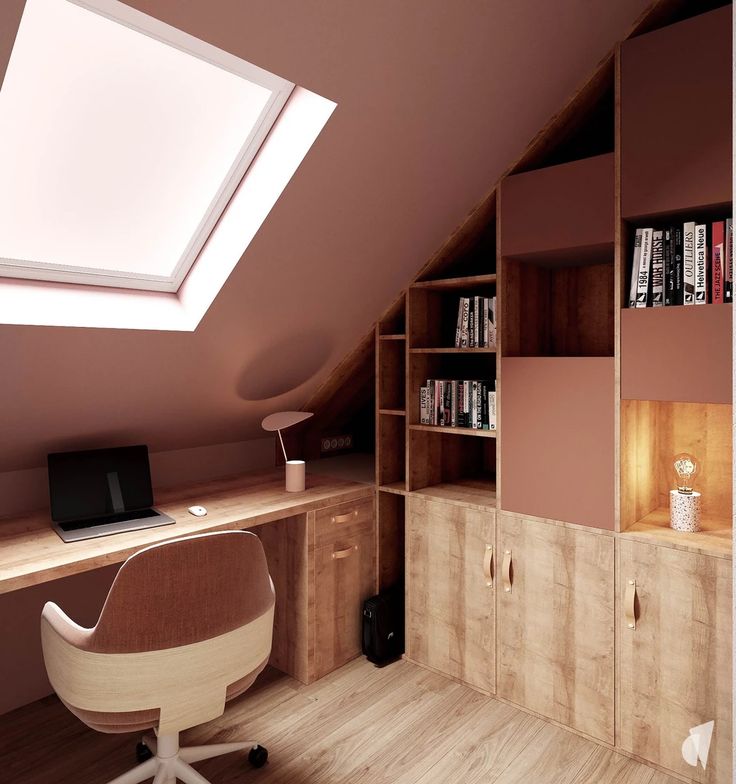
x=685 y=511
x=295 y=476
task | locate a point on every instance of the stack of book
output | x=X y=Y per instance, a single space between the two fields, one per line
x=476 y=322
x=470 y=404
x=686 y=264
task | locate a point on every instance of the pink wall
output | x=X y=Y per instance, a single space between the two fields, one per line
x=435 y=99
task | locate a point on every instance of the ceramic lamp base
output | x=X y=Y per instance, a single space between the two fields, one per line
x=684 y=511
x=295 y=476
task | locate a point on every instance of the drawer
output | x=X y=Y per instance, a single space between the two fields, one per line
x=344 y=521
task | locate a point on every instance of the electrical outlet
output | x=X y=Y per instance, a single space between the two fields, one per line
x=337 y=443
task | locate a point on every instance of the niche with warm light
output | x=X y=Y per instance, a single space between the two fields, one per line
x=653 y=433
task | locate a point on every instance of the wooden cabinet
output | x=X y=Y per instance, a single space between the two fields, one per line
x=344 y=576
x=449 y=590
x=555 y=623
x=674 y=664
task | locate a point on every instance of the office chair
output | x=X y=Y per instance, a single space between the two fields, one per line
x=186 y=626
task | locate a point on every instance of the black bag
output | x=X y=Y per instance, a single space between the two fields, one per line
x=383 y=626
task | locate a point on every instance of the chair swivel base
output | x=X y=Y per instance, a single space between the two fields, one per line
x=170 y=763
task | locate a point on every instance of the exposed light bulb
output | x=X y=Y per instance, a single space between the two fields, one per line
x=686 y=468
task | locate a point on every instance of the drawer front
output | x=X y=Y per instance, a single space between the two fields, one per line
x=344 y=521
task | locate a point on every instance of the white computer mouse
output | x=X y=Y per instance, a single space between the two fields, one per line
x=197 y=511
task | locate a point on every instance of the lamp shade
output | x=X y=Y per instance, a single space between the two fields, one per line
x=284 y=419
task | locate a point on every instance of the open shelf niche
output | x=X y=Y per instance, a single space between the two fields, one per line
x=652 y=433
x=557 y=257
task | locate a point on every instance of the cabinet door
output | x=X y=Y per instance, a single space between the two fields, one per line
x=674 y=665
x=449 y=590
x=555 y=622
x=345 y=576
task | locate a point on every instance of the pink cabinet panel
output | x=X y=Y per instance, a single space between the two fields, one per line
x=676 y=116
x=679 y=353
x=557 y=438
x=566 y=207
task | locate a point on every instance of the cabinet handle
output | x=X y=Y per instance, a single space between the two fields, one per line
x=488 y=565
x=506 y=571
x=630 y=604
x=343 y=518
x=348 y=551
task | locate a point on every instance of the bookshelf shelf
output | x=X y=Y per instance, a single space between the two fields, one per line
x=452 y=284
x=478 y=493
x=392 y=337
x=455 y=431
x=654 y=528
x=399 y=488
x=392 y=411
x=451 y=350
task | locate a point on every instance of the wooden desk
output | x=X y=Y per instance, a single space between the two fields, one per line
x=32 y=553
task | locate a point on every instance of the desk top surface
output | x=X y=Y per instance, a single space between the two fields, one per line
x=31 y=552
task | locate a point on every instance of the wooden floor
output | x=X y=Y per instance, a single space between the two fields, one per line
x=362 y=725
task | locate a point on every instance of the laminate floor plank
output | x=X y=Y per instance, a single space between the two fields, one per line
x=359 y=725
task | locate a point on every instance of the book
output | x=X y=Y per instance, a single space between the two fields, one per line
x=459 y=327
x=424 y=405
x=465 y=329
x=492 y=322
x=491 y=409
x=677 y=268
x=669 y=271
x=701 y=265
x=716 y=263
x=657 y=270
x=473 y=404
x=635 y=268
x=688 y=262
x=486 y=308
x=728 y=262
x=645 y=263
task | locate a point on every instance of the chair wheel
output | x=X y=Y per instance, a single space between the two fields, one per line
x=142 y=752
x=258 y=756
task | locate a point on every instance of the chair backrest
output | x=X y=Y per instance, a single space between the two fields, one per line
x=184 y=591
x=183 y=621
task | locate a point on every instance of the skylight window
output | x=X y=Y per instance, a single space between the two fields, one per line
x=122 y=141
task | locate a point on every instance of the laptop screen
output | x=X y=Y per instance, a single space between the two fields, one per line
x=99 y=482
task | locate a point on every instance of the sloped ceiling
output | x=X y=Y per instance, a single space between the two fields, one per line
x=435 y=98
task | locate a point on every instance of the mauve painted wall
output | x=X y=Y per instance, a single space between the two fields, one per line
x=434 y=100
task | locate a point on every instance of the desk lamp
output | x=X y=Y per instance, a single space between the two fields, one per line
x=295 y=469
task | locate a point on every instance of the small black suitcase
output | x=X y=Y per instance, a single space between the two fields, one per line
x=383 y=626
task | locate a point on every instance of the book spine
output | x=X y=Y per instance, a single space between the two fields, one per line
x=476 y=321
x=657 y=275
x=486 y=302
x=716 y=265
x=669 y=277
x=473 y=404
x=701 y=265
x=728 y=263
x=484 y=405
x=460 y=403
x=492 y=323
x=453 y=403
x=645 y=263
x=423 y=392
x=459 y=327
x=467 y=403
x=435 y=398
x=471 y=330
x=478 y=405
x=635 y=261
x=678 y=272
x=688 y=262
x=491 y=409
x=465 y=336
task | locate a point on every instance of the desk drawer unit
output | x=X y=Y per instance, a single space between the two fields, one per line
x=335 y=523
x=345 y=575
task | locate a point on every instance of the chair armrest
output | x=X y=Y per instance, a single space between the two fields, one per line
x=64 y=626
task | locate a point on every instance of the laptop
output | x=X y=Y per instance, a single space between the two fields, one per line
x=99 y=492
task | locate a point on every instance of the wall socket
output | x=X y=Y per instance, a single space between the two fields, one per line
x=336 y=443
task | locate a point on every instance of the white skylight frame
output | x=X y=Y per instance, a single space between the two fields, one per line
x=281 y=89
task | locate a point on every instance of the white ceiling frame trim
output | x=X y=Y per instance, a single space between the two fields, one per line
x=280 y=90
